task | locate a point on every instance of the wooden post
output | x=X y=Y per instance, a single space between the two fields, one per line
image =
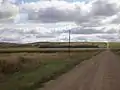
x=107 y=45
x=69 y=44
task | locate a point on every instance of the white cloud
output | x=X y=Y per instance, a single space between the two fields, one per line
x=57 y=11
x=48 y=33
x=45 y=20
x=8 y=12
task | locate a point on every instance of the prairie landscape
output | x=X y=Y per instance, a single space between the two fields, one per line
x=59 y=45
x=27 y=67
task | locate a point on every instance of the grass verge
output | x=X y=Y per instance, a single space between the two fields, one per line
x=49 y=70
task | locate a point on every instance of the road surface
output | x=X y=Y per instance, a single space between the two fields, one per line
x=102 y=72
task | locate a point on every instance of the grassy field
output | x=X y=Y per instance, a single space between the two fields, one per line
x=27 y=67
x=34 y=46
x=114 y=45
x=28 y=71
x=45 y=50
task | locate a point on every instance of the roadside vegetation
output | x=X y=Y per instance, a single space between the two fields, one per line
x=116 y=51
x=28 y=71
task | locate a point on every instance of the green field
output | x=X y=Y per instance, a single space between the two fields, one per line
x=34 y=46
x=114 y=45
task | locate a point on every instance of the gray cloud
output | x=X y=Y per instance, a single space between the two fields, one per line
x=89 y=16
x=104 y=8
x=22 y=37
x=53 y=15
x=109 y=37
x=99 y=10
x=91 y=13
x=7 y=11
x=86 y=30
x=13 y=40
x=19 y=35
x=5 y=15
x=116 y=19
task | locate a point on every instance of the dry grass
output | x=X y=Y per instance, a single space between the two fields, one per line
x=10 y=63
x=36 y=68
x=15 y=62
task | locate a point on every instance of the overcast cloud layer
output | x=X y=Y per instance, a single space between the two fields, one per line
x=42 y=20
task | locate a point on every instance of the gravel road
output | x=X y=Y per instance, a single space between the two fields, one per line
x=102 y=72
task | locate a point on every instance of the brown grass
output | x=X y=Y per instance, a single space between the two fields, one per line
x=19 y=70
x=15 y=62
x=10 y=63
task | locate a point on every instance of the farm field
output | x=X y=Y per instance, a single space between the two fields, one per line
x=114 y=45
x=27 y=66
x=59 y=47
x=38 y=45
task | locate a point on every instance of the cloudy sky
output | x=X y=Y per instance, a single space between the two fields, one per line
x=23 y=21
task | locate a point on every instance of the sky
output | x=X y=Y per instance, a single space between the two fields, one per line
x=25 y=21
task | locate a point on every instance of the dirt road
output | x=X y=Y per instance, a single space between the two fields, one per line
x=102 y=72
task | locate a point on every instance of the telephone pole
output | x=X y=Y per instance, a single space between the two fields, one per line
x=108 y=45
x=69 y=43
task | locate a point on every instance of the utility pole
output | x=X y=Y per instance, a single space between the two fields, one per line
x=108 y=45
x=69 y=43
